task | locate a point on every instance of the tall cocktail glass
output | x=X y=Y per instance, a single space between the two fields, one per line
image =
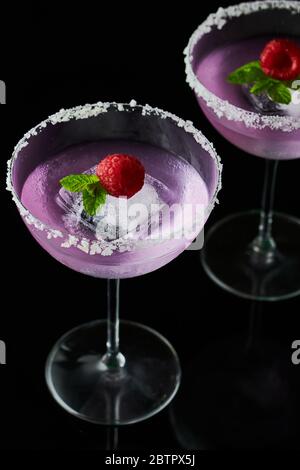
x=255 y=254
x=137 y=373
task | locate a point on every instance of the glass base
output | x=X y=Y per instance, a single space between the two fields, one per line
x=228 y=261
x=82 y=384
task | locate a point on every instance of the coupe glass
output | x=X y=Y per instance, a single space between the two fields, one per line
x=130 y=380
x=254 y=254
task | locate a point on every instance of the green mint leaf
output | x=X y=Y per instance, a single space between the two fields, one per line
x=280 y=93
x=93 y=197
x=248 y=73
x=92 y=188
x=260 y=86
x=78 y=183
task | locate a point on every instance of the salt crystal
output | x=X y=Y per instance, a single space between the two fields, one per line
x=132 y=103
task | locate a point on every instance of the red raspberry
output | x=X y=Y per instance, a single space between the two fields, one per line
x=121 y=175
x=280 y=59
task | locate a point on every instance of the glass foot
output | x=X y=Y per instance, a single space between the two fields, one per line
x=228 y=260
x=82 y=384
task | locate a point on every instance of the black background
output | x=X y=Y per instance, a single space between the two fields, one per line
x=53 y=59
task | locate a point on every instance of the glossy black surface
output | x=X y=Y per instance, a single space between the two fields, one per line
x=117 y=55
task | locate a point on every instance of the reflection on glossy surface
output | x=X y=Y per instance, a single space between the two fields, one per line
x=238 y=394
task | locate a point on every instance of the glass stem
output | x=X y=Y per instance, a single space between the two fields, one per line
x=113 y=359
x=264 y=247
x=113 y=297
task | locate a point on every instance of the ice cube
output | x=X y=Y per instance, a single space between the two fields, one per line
x=117 y=218
x=263 y=103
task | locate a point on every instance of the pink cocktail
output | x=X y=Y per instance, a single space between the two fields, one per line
x=101 y=246
x=124 y=237
x=254 y=255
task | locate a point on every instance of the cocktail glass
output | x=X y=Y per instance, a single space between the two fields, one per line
x=136 y=378
x=254 y=254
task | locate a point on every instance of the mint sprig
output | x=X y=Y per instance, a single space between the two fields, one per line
x=252 y=74
x=93 y=194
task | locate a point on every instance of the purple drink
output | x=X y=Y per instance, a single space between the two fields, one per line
x=104 y=245
x=226 y=41
x=169 y=180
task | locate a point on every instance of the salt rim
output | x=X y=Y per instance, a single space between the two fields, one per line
x=223 y=108
x=93 y=247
